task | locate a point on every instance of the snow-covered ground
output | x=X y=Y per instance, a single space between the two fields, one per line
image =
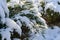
x=49 y=34
x=52 y=34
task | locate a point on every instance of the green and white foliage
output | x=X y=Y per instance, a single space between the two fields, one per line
x=51 y=11
x=23 y=20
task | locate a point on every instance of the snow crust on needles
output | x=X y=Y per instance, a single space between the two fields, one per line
x=13 y=25
x=52 y=4
x=50 y=34
x=3 y=10
x=5 y=33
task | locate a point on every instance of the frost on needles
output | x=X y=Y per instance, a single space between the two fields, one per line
x=22 y=21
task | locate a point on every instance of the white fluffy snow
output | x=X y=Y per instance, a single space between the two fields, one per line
x=52 y=34
x=4 y=6
x=5 y=33
x=49 y=34
x=16 y=39
x=2 y=14
x=13 y=25
x=3 y=10
x=52 y=4
x=27 y=21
